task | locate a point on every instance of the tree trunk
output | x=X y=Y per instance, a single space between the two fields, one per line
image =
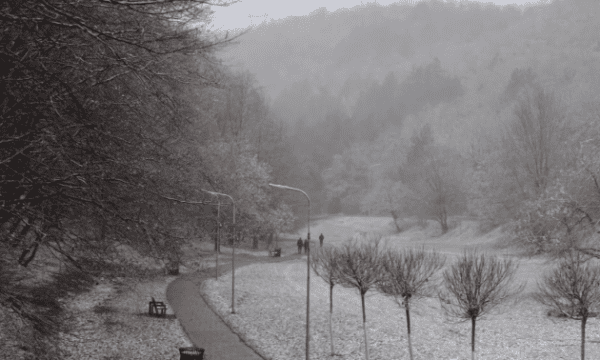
x=218 y=239
x=473 y=319
x=14 y=239
x=255 y=242
x=28 y=254
x=444 y=220
x=362 y=299
x=102 y=231
x=406 y=306
x=330 y=317
x=22 y=236
x=583 y=321
x=395 y=217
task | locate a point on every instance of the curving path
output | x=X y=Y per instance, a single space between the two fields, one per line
x=204 y=328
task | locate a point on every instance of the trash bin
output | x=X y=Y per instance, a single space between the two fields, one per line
x=191 y=353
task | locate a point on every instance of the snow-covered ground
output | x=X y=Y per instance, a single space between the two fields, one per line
x=271 y=308
x=111 y=322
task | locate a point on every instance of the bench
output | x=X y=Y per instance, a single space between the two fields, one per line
x=157 y=308
x=275 y=252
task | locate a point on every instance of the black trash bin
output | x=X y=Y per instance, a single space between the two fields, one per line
x=191 y=353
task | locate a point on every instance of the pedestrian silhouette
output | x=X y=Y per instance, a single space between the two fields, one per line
x=321 y=238
x=306 y=246
x=299 y=243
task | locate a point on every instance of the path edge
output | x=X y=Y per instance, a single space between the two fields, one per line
x=201 y=276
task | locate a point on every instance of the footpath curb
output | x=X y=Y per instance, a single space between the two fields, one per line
x=243 y=339
x=196 y=279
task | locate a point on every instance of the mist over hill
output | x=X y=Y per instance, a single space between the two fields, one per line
x=373 y=95
x=371 y=40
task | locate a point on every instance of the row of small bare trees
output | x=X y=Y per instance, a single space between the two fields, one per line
x=471 y=287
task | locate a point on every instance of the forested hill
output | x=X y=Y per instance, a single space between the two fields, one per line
x=320 y=63
x=326 y=47
x=374 y=84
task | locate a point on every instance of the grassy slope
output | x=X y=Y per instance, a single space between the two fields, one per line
x=110 y=321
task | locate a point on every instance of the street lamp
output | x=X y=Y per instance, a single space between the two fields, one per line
x=307 y=268
x=232 y=247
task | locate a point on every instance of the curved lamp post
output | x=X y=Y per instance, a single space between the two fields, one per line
x=307 y=268
x=232 y=248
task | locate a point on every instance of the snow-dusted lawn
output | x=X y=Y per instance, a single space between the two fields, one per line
x=112 y=324
x=271 y=312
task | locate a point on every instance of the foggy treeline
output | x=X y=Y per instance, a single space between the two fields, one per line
x=440 y=109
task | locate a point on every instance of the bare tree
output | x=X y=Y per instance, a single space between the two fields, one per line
x=324 y=263
x=387 y=196
x=475 y=284
x=563 y=216
x=533 y=137
x=434 y=177
x=441 y=194
x=407 y=276
x=358 y=267
x=532 y=156
x=572 y=288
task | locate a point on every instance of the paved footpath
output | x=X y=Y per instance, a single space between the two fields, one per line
x=204 y=328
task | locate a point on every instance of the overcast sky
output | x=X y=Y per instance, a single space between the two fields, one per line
x=247 y=12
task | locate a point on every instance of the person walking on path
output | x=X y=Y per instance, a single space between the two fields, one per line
x=321 y=238
x=299 y=243
x=306 y=246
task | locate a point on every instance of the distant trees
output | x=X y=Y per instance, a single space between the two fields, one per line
x=335 y=123
x=521 y=174
x=520 y=80
x=533 y=140
x=347 y=179
x=247 y=148
x=573 y=289
x=433 y=176
x=535 y=158
x=428 y=85
x=475 y=284
x=387 y=197
x=569 y=210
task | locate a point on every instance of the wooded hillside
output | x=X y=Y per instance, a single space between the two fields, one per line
x=441 y=108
